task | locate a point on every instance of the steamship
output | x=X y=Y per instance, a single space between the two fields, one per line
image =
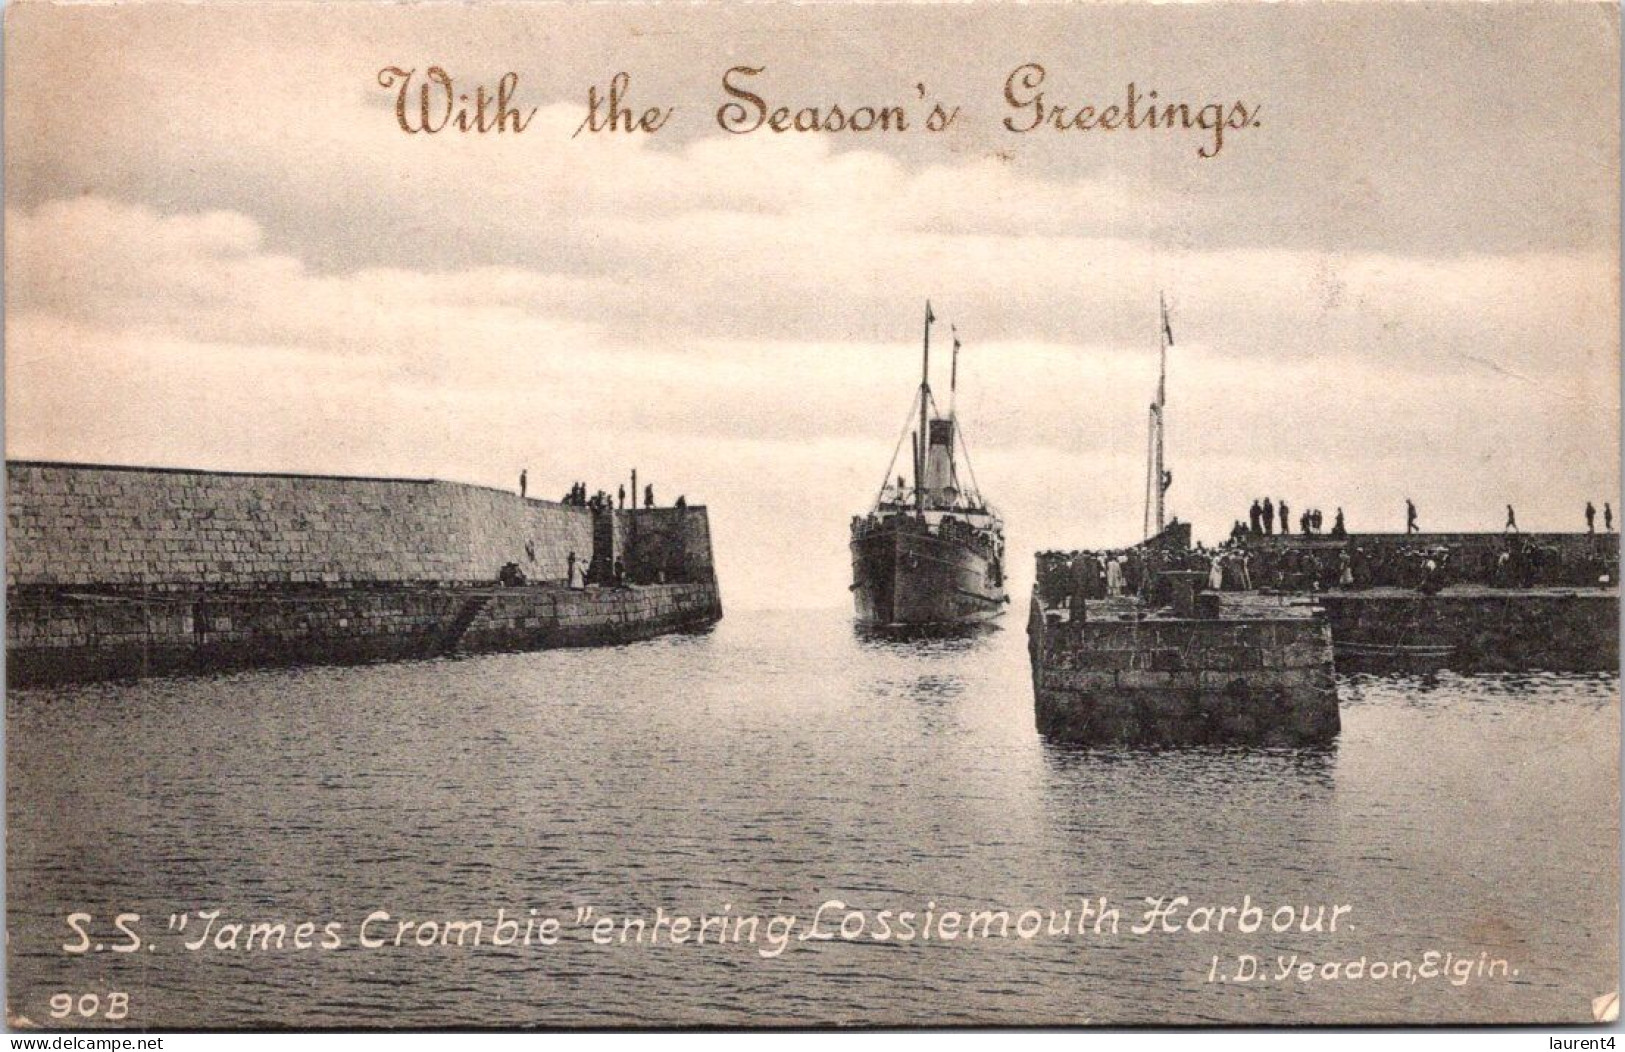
x=930 y=553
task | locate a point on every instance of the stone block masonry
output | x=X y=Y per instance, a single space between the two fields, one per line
x=1533 y=560
x=71 y=637
x=1569 y=545
x=1182 y=681
x=138 y=529
x=666 y=544
x=1480 y=629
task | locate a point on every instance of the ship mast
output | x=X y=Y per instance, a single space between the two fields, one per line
x=954 y=437
x=922 y=442
x=1156 y=477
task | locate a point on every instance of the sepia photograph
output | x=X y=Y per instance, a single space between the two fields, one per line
x=870 y=515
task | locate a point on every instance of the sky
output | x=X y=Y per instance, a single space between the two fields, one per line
x=223 y=252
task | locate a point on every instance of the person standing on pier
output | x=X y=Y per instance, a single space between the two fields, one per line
x=1114 y=576
x=522 y=481
x=574 y=578
x=1608 y=516
x=1338 y=529
x=1512 y=521
x=1410 y=517
x=1432 y=580
x=1082 y=580
x=1269 y=516
x=1255 y=518
x=1591 y=518
x=649 y=495
x=621 y=494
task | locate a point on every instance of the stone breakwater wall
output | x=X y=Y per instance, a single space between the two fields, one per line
x=1390 y=559
x=1569 y=545
x=1487 y=630
x=1182 y=682
x=669 y=544
x=138 y=529
x=68 y=637
x=114 y=571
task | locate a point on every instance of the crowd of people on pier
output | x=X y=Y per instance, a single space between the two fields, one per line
x=1128 y=572
x=603 y=499
x=1265 y=513
x=593 y=569
x=596 y=570
x=579 y=573
x=1337 y=561
x=1519 y=561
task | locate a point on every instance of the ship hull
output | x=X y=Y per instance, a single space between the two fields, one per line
x=908 y=577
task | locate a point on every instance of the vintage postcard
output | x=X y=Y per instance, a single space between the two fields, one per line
x=777 y=515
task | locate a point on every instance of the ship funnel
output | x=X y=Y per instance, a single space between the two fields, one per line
x=940 y=481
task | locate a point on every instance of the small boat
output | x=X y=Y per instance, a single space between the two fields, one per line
x=1395 y=653
x=1397 y=649
x=930 y=553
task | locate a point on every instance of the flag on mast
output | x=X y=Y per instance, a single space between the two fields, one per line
x=929 y=317
x=1167 y=330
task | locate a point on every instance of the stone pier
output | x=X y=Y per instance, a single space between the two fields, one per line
x=1477 y=629
x=117 y=571
x=1255 y=673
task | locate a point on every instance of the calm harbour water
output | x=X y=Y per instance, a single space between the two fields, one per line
x=772 y=764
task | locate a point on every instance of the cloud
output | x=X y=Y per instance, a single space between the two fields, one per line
x=136 y=336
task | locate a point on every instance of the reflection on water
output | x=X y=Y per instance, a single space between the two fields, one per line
x=927 y=639
x=1590 y=688
x=778 y=762
x=1281 y=763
